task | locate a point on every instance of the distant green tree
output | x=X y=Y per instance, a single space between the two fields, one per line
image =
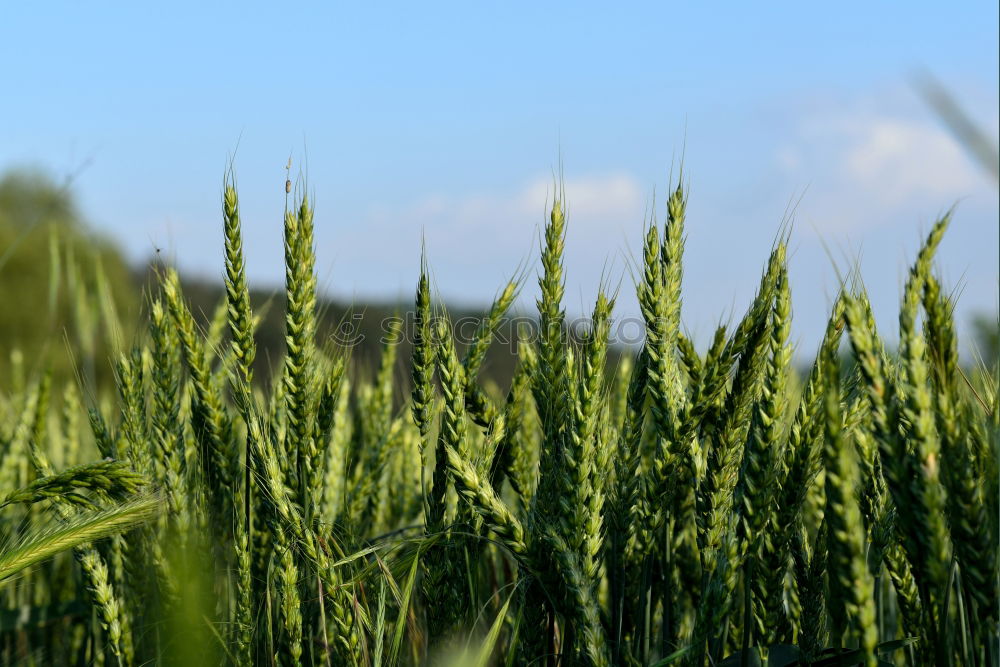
x=59 y=283
x=987 y=329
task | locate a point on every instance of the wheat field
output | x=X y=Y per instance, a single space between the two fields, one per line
x=680 y=506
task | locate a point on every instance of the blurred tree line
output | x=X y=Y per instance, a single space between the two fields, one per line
x=69 y=299
x=59 y=283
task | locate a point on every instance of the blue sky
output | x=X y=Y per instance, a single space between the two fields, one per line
x=449 y=120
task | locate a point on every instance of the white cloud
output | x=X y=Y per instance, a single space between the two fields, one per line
x=897 y=159
x=589 y=199
x=870 y=169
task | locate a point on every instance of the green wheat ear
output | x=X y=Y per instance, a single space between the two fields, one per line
x=240 y=318
x=453 y=421
x=298 y=378
x=851 y=603
x=484 y=500
x=478 y=404
x=422 y=363
x=106 y=479
x=595 y=451
x=551 y=381
x=241 y=323
x=79 y=529
x=210 y=418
